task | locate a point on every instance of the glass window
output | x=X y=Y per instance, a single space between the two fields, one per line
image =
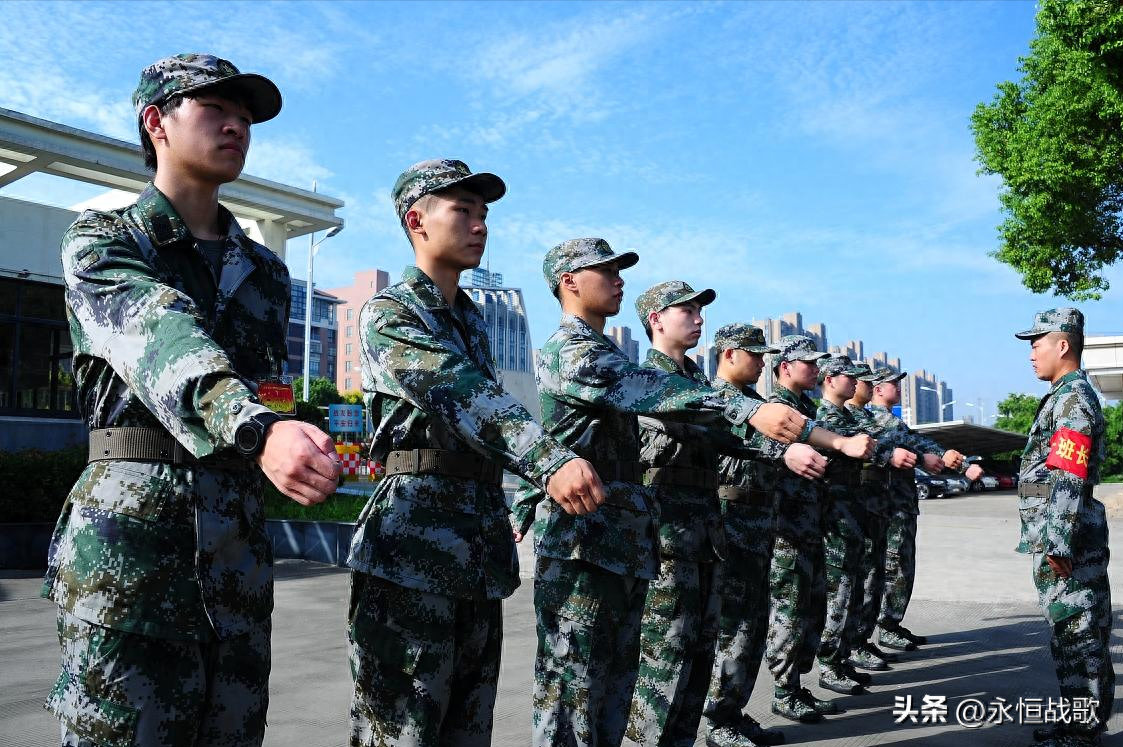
x=35 y=351
x=347 y=348
x=346 y=365
x=350 y=316
x=347 y=384
x=350 y=330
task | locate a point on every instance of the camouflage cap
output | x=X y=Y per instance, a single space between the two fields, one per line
x=577 y=254
x=431 y=176
x=865 y=373
x=1068 y=320
x=836 y=365
x=888 y=376
x=189 y=73
x=740 y=336
x=797 y=348
x=670 y=293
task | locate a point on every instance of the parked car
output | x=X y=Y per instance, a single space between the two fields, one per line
x=1006 y=482
x=956 y=484
x=928 y=486
x=986 y=482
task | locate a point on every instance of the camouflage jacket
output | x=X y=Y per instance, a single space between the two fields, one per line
x=749 y=527
x=147 y=547
x=591 y=396
x=429 y=383
x=800 y=502
x=688 y=519
x=878 y=495
x=902 y=483
x=1065 y=451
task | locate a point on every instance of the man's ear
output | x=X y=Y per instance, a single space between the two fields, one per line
x=568 y=282
x=653 y=321
x=153 y=122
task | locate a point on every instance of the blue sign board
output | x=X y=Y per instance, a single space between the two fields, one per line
x=345 y=418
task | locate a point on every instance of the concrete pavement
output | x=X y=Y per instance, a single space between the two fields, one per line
x=973 y=598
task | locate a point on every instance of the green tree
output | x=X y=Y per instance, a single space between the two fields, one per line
x=1113 y=441
x=1056 y=139
x=1017 y=412
x=321 y=392
x=353 y=397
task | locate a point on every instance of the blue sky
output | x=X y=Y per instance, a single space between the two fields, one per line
x=810 y=156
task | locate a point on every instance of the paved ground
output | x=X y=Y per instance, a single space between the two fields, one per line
x=973 y=598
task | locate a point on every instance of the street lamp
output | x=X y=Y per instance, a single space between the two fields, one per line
x=982 y=413
x=313 y=248
x=939 y=399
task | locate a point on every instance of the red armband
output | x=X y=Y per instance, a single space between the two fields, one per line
x=1069 y=450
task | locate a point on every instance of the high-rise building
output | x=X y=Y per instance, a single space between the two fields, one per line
x=481 y=278
x=882 y=360
x=925 y=392
x=790 y=323
x=348 y=372
x=509 y=334
x=622 y=336
x=322 y=351
x=855 y=350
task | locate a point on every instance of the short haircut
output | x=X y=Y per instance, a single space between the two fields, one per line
x=1075 y=342
x=166 y=107
x=421 y=203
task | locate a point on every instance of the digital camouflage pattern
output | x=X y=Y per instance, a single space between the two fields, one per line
x=152 y=556
x=1069 y=522
x=191 y=73
x=797 y=348
x=588 y=625
x=425 y=666
x=176 y=552
x=743 y=585
x=120 y=688
x=797 y=583
x=577 y=254
x=846 y=526
x=681 y=615
x=443 y=543
x=741 y=336
x=671 y=293
x=427 y=177
x=900 y=532
x=591 y=398
x=429 y=382
x=1067 y=320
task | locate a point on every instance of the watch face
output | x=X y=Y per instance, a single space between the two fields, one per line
x=247 y=438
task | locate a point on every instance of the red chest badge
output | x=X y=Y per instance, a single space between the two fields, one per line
x=1069 y=450
x=277 y=397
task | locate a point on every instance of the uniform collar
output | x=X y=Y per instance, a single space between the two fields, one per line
x=163 y=224
x=1068 y=378
x=427 y=292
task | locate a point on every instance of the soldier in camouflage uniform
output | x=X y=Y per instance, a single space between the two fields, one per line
x=592 y=571
x=745 y=490
x=900 y=543
x=1064 y=527
x=160 y=563
x=875 y=485
x=681 y=615
x=433 y=552
x=797 y=576
x=846 y=531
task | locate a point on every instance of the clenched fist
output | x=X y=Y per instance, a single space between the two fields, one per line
x=778 y=422
x=902 y=458
x=576 y=487
x=805 y=461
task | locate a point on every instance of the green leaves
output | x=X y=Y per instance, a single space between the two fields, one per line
x=1056 y=139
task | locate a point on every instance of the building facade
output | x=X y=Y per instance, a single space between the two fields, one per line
x=348 y=371
x=790 y=323
x=322 y=358
x=622 y=336
x=508 y=332
x=37 y=401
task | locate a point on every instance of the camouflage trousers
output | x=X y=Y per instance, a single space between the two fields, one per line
x=119 y=688
x=844 y=548
x=797 y=592
x=872 y=575
x=740 y=643
x=588 y=622
x=1079 y=611
x=900 y=568
x=425 y=666
x=677 y=649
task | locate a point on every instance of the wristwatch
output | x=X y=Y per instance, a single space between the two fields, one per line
x=249 y=438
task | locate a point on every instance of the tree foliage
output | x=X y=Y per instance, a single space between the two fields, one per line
x=1017 y=412
x=321 y=392
x=1056 y=139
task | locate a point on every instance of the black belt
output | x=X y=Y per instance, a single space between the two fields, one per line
x=875 y=475
x=682 y=477
x=445 y=463
x=612 y=471
x=135 y=444
x=750 y=496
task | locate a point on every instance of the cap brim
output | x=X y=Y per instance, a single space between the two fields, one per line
x=892 y=379
x=623 y=261
x=703 y=298
x=869 y=378
x=762 y=349
x=488 y=186
x=855 y=372
x=811 y=357
x=1029 y=334
x=264 y=97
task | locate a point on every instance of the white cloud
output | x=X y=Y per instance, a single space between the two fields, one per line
x=287 y=160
